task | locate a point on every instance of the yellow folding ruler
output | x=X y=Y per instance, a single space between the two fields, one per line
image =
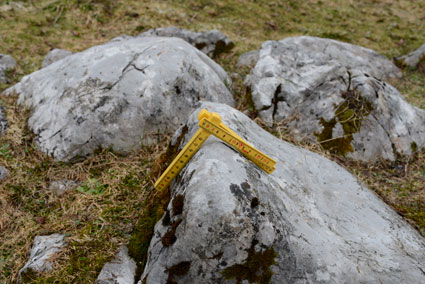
x=210 y=123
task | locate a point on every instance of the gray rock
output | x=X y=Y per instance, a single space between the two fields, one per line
x=322 y=96
x=43 y=249
x=3 y=173
x=321 y=224
x=211 y=42
x=3 y=121
x=412 y=59
x=55 y=55
x=121 y=270
x=60 y=187
x=118 y=95
x=248 y=59
x=8 y=6
x=7 y=63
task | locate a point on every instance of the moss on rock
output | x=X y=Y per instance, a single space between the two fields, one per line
x=256 y=268
x=349 y=114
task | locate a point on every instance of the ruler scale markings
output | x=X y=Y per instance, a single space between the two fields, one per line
x=259 y=159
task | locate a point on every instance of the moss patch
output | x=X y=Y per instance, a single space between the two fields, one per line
x=177 y=270
x=256 y=268
x=349 y=114
x=178 y=203
x=169 y=237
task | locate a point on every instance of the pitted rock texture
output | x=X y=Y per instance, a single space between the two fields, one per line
x=211 y=42
x=43 y=249
x=118 y=95
x=314 y=219
x=3 y=121
x=412 y=59
x=7 y=63
x=55 y=55
x=120 y=270
x=319 y=97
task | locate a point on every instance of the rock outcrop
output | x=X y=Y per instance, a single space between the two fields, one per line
x=55 y=55
x=211 y=42
x=120 y=270
x=330 y=92
x=118 y=95
x=43 y=249
x=7 y=63
x=412 y=59
x=310 y=221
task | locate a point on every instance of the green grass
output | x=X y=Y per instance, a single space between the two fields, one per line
x=109 y=208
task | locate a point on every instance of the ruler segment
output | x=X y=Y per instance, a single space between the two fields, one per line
x=210 y=123
x=182 y=158
x=263 y=161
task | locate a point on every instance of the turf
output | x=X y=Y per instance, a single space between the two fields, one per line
x=102 y=213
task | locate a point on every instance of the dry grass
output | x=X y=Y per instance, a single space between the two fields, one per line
x=101 y=214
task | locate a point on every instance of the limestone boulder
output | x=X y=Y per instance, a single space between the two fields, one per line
x=310 y=221
x=211 y=42
x=55 y=55
x=7 y=63
x=42 y=251
x=412 y=59
x=332 y=94
x=118 y=95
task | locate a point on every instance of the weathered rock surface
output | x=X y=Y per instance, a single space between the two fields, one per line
x=3 y=173
x=118 y=95
x=7 y=63
x=412 y=59
x=317 y=221
x=3 y=121
x=248 y=59
x=60 y=187
x=121 y=270
x=55 y=55
x=43 y=249
x=211 y=42
x=320 y=95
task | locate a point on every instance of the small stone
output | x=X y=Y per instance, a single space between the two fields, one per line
x=55 y=55
x=412 y=59
x=211 y=42
x=3 y=173
x=120 y=270
x=248 y=59
x=3 y=121
x=60 y=187
x=42 y=251
x=7 y=63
